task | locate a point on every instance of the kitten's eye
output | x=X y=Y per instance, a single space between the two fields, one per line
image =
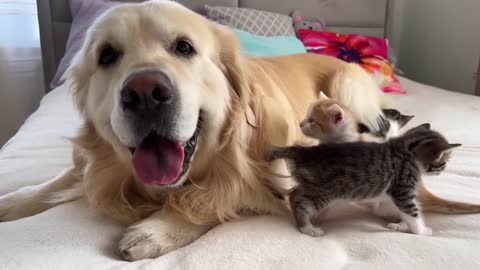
x=184 y=48
x=108 y=56
x=436 y=166
x=310 y=121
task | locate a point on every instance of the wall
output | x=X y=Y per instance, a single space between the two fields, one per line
x=21 y=77
x=438 y=41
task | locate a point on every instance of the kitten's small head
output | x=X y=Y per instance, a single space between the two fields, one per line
x=390 y=124
x=431 y=149
x=420 y=130
x=325 y=118
x=394 y=115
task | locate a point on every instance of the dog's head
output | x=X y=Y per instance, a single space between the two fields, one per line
x=154 y=79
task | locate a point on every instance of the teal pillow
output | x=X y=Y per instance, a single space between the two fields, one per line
x=268 y=46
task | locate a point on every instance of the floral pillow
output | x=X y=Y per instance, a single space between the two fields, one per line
x=369 y=52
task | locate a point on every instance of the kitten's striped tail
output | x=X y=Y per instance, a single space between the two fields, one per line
x=433 y=203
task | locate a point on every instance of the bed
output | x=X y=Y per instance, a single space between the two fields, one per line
x=71 y=236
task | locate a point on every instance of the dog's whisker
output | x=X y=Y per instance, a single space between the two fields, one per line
x=196 y=185
x=200 y=131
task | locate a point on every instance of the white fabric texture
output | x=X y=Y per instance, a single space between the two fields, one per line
x=71 y=236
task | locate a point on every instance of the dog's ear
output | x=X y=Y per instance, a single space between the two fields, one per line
x=77 y=76
x=231 y=61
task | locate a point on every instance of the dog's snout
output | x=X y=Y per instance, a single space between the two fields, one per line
x=146 y=91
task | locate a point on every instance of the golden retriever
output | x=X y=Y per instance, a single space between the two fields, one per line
x=177 y=124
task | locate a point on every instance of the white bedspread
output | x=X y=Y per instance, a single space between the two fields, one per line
x=71 y=236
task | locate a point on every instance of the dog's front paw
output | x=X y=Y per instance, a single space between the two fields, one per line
x=140 y=243
x=157 y=235
x=5 y=213
x=14 y=206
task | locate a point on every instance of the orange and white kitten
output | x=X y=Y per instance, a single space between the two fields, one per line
x=331 y=122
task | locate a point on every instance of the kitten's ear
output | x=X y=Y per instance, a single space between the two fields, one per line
x=322 y=96
x=420 y=128
x=391 y=114
x=446 y=148
x=336 y=114
x=453 y=145
x=426 y=125
x=404 y=119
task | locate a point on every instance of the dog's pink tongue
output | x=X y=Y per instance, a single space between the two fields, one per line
x=158 y=161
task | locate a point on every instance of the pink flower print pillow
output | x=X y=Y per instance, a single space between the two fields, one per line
x=369 y=52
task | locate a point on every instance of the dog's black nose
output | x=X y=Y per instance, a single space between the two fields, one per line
x=146 y=91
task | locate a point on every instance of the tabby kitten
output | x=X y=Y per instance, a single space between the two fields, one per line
x=331 y=122
x=365 y=172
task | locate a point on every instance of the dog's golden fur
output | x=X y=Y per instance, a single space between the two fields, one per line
x=264 y=99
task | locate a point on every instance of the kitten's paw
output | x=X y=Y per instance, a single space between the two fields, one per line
x=426 y=231
x=399 y=227
x=312 y=231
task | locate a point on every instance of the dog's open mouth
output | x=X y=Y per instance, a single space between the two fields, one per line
x=161 y=161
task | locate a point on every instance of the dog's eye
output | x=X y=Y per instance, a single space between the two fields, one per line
x=108 y=56
x=184 y=48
